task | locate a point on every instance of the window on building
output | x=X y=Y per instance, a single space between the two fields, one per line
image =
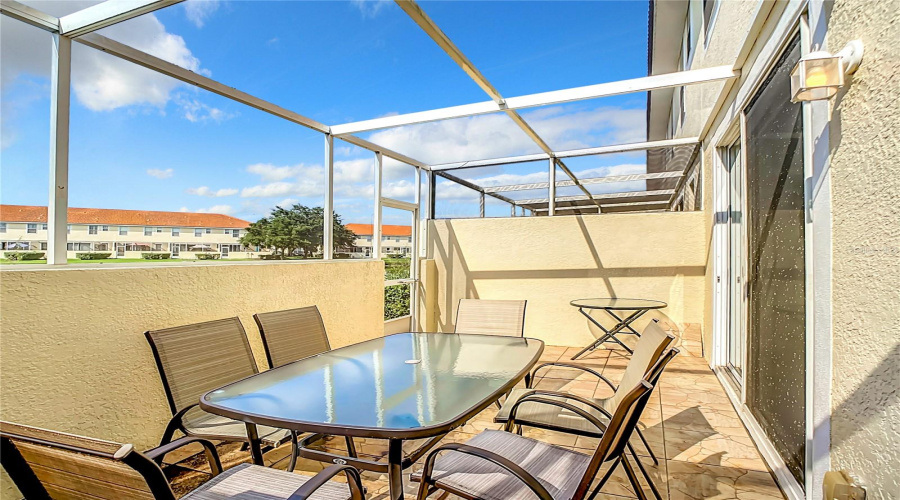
x=208 y=231
x=92 y=229
x=43 y=245
x=159 y=230
x=148 y=231
x=31 y=228
x=198 y=232
x=123 y=230
x=68 y=228
x=43 y=227
x=176 y=232
x=2 y=227
x=710 y=7
x=236 y=233
x=104 y=228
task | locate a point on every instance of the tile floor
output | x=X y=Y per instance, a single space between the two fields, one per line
x=704 y=449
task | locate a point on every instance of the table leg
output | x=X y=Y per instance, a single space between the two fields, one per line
x=627 y=324
x=255 y=447
x=595 y=344
x=395 y=469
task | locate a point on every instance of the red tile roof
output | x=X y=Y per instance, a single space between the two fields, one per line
x=24 y=213
x=386 y=230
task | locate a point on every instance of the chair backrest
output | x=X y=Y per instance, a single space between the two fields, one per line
x=292 y=334
x=491 y=317
x=195 y=359
x=618 y=432
x=648 y=351
x=47 y=464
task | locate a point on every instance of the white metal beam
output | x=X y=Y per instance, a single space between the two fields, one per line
x=552 y=188
x=618 y=148
x=106 y=14
x=58 y=203
x=604 y=196
x=399 y=204
x=592 y=180
x=642 y=84
x=29 y=15
x=328 y=229
x=376 y=221
x=140 y=58
x=603 y=205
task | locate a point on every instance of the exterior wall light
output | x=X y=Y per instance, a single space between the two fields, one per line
x=819 y=75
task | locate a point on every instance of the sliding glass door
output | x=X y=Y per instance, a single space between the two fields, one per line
x=736 y=276
x=775 y=375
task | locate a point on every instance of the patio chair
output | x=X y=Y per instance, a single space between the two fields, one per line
x=47 y=464
x=499 y=465
x=491 y=317
x=294 y=334
x=194 y=359
x=647 y=354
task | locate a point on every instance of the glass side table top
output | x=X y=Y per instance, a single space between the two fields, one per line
x=618 y=304
x=406 y=385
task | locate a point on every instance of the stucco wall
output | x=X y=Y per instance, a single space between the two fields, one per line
x=552 y=260
x=74 y=357
x=865 y=143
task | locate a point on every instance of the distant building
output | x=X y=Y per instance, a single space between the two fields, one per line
x=395 y=240
x=127 y=233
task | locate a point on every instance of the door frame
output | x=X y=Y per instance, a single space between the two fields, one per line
x=808 y=18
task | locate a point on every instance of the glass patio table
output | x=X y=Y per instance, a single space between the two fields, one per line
x=612 y=306
x=400 y=387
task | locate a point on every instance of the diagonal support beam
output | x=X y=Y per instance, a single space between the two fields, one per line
x=107 y=13
x=412 y=9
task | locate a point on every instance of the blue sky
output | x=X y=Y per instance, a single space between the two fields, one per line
x=144 y=141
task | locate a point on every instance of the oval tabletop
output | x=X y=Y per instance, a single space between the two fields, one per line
x=406 y=385
x=618 y=304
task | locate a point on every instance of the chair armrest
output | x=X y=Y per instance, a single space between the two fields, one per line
x=354 y=481
x=567 y=395
x=576 y=367
x=533 y=484
x=212 y=455
x=534 y=398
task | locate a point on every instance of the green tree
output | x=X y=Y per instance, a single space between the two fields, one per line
x=298 y=228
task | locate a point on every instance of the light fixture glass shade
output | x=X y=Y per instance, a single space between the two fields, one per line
x=817 y=76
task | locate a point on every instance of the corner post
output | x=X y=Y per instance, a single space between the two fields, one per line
x=58 y=203
x=431 y=188
x=481 y=205
x=376 y=220
x=552 y=195
x=328 y=229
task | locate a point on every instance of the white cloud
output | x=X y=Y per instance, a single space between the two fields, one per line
x=216 y=209
x=211 y=193
x=270 y=172
x=496 y=135
x=100 y=81
x=370 y=8
x=160 y=174
x=198 y=11
x=196 y=111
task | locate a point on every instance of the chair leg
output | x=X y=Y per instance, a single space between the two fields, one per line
x=351 y=447
x=646 y=445
x=643 y=470
x=632 y=477
x=605 y=478
x=295 y=451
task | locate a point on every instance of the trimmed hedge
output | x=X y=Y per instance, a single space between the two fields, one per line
x=24 y=255
x=156 y=255
x=92 y=255
x=341 y=255
x=208 y=256
x=272 y=257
